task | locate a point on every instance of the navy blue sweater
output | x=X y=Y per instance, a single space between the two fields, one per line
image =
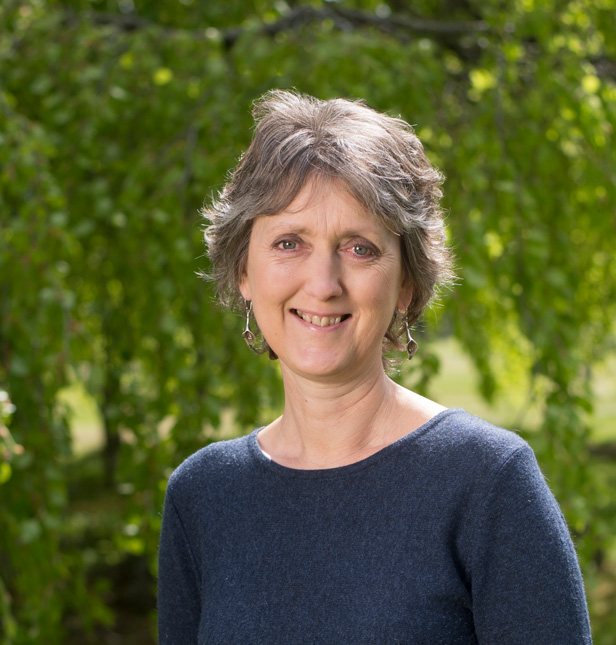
x=449 y=535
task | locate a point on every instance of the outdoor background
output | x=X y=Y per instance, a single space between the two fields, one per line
x=119 y=118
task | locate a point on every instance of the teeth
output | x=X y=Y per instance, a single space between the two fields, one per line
x=317 y=320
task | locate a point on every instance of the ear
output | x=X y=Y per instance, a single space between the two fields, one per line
x=244 y=286
x=405 y=296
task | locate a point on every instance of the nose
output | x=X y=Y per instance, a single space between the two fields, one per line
x=323 y=276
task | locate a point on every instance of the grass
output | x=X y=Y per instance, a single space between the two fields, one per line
x=604 y=386
x=86 y=421
x=457 y=386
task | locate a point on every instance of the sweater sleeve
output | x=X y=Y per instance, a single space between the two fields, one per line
x=526 y=583
x=179 y=603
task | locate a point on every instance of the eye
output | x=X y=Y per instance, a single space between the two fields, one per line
x=360 y=249
x=287 y=245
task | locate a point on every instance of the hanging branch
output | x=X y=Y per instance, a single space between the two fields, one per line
x=343 y=18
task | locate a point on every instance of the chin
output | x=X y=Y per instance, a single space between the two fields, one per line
x=326 y=366
x=312 y=369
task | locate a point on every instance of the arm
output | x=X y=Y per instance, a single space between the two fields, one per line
x=526 y=583
x=179 y=602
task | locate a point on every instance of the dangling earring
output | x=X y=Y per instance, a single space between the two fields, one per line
x=411 y=345
x=247 y=335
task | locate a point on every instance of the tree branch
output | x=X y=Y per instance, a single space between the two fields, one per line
x=343 y=18
x=606 y=450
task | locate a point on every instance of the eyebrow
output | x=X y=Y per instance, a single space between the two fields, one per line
x=302 y=230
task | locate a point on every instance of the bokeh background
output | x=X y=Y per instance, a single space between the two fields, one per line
x=119 y=118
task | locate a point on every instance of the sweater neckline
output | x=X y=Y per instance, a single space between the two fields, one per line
x=340 y=471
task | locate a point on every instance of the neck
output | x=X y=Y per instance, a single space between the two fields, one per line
x=332 y=424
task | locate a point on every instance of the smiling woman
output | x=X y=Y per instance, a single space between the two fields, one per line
x=365 y=513
x=374 y=158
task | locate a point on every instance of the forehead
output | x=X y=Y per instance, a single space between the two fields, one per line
x=324 y=207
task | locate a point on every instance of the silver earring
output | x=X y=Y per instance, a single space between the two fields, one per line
x=411 y=345
x=247 y=335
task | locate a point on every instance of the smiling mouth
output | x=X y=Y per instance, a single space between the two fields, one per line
x=321 y=321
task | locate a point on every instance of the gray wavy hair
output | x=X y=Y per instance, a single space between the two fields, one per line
x=378 y=159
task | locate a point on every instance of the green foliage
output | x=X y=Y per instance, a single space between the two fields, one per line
x=118 y=118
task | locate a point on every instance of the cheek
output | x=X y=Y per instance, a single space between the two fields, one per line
x=383 y=288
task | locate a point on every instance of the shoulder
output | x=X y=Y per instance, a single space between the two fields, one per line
x=211 y=466
x=495 y=471
x=460 y=444
x=457 y=430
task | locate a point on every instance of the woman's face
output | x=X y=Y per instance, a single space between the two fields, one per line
x=325 y=279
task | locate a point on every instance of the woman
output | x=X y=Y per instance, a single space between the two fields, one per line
x=365 y=513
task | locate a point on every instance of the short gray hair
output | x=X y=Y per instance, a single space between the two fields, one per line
x=378 y=159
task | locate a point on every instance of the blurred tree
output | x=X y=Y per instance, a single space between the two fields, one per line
x=117 y=118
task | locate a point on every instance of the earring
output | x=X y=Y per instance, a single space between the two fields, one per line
x=411 y=345
x=247 y=335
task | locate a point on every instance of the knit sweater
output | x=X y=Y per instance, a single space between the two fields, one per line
x=449 y=535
